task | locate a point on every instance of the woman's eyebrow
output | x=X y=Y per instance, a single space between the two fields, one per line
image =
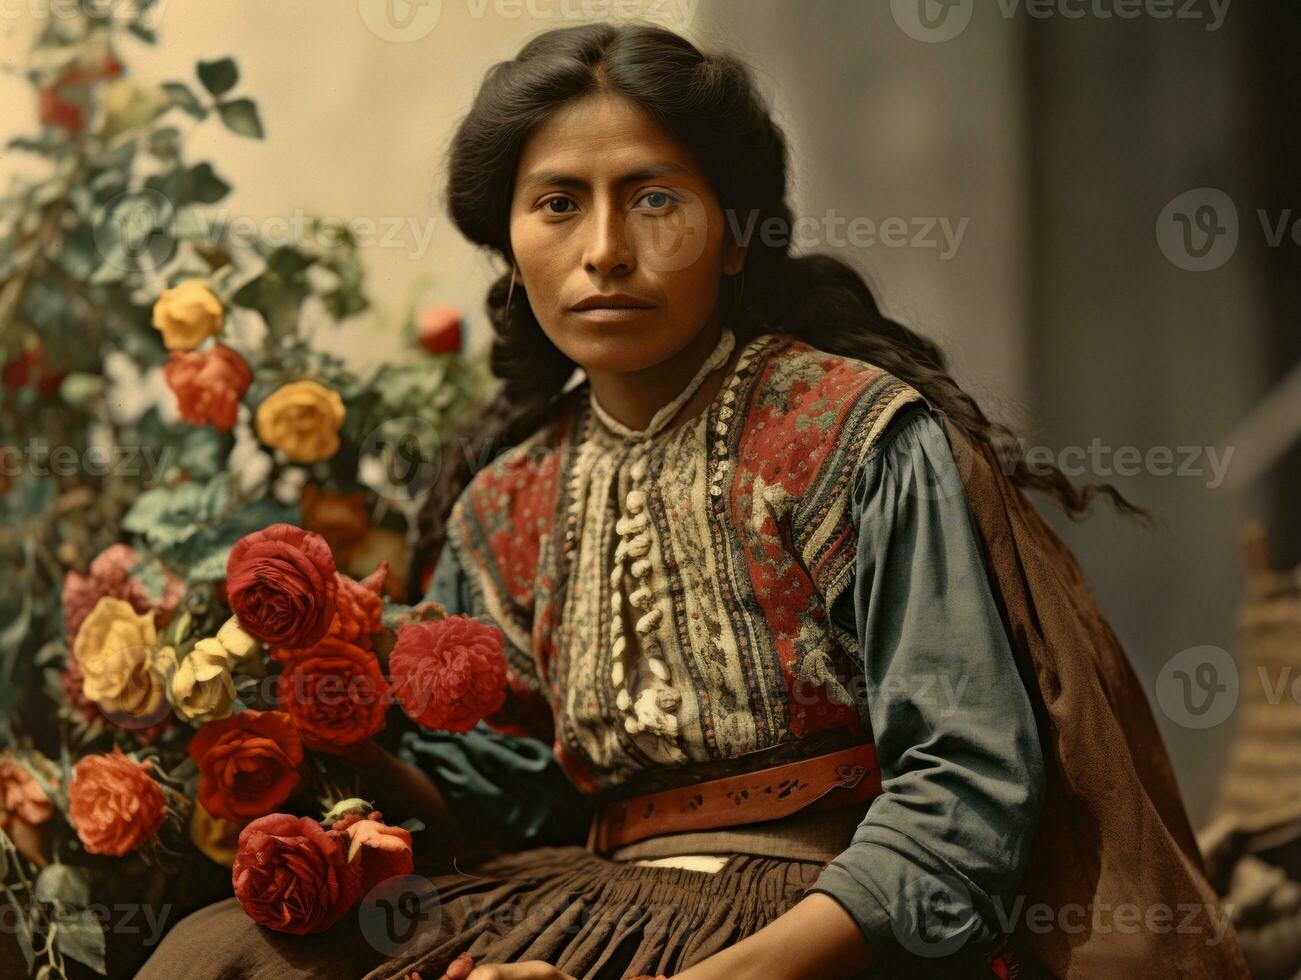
x=658 y=169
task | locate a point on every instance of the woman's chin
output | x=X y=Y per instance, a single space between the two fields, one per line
x=619 y=344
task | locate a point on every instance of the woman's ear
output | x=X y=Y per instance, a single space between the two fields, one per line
x=733 y=257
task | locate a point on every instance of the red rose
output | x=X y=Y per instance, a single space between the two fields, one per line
x=360 y=608
x=335 y=694
x=383 y=852
x=248 y=763
x=449 y=674
x=280 y=582
x=56 y=108
x=358 y=614
x=208 y=385
x=114 y=804
x=32 y=367
x=440 y=330
x=292 y=876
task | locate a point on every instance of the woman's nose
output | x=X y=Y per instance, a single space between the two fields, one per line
x=607 y=248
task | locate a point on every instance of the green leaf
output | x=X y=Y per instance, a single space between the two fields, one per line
x=79 y=936
x=211 y=567
x=202 y=454
x=219 y=76
x=165 y=143
x=199 y=184
x=22 y=928
x=208 y=188
x=183 y=99
x=241 y=116
x=64 y=884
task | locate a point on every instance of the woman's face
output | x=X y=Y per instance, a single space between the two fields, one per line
x=605 y=203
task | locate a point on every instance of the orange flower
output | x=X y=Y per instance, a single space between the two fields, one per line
x=336 y=695
x=248 y=763
x=24 y=809
x=114 y=804
x=208 y=385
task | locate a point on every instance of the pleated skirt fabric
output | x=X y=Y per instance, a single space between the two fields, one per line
x=591 y=917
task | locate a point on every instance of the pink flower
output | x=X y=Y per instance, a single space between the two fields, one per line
x=449 y=674
x=109 y=576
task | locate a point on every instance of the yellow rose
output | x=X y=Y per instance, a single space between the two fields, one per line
x=214 y=836
x=240 y=645
x=128 y=105
x=187 y=315
x=202 y=689
x=302 y=419
x=123 y=670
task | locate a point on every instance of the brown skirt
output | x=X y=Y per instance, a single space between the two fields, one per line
x=588 y=916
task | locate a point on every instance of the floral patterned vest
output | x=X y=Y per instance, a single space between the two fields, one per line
x=665 y=602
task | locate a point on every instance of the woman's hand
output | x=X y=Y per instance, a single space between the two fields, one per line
x=528 y=970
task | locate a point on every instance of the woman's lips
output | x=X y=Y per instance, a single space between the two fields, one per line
x=611 y=314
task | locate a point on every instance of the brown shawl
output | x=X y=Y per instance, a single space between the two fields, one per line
x=1113 y=828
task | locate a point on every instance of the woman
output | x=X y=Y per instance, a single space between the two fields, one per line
x=835 y=698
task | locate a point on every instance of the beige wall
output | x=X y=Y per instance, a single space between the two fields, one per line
x=358 y=119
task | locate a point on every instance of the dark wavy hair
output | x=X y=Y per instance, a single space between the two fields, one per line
x=709 y=103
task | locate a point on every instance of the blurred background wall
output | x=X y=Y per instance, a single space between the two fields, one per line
x=1045 y=158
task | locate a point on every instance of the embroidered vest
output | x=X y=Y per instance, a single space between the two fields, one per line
x=665 y=603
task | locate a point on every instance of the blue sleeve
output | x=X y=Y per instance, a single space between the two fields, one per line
x=508 y=788
x=937 y=862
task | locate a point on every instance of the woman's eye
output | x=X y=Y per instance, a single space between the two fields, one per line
x=664 y=199
x=556 y=200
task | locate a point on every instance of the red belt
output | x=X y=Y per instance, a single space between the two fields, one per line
x=821 y=782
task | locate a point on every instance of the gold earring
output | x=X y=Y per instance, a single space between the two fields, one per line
x=511 y=290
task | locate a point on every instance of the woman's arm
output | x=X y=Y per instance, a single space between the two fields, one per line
x=491 y=789
x=938 y=858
